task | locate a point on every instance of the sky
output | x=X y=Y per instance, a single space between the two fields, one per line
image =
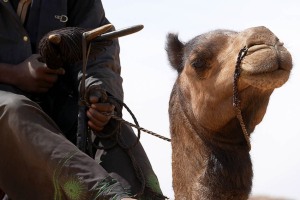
x=148 y=80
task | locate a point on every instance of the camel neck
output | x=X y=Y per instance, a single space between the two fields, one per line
x=216 y=168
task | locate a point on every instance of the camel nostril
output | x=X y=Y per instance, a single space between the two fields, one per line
x=253 y=43
x=256 y=47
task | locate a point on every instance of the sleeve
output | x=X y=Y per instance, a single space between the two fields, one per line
x=105 y=68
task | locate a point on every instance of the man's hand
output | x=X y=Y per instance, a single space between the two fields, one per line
x=97 y=113
x=34 y=76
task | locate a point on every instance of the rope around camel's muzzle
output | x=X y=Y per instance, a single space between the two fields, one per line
x=236 y=97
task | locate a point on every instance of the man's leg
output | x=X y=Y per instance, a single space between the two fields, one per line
x=38 y=162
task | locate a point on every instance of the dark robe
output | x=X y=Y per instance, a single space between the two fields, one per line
x=38 y=159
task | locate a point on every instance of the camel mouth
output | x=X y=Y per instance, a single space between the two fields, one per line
x=269 y=80
x=266 y=66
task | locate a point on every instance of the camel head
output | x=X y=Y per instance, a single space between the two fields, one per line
x=206 y=67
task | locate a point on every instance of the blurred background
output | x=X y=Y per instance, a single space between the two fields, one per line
x=148 y=80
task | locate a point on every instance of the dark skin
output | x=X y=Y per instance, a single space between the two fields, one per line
x=34 y=76
x=97 y=118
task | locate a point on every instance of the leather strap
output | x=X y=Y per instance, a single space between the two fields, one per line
x=22 y=9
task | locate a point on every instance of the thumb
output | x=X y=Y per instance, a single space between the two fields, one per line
x=94 y=99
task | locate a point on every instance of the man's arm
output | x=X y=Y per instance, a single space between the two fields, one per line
x=105 y=67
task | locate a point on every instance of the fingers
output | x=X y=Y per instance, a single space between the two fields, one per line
x=59 y=71
x=95 y=93
x=50 y=75
x=97 y=115
x=51 y=79
x=35 y=76
x=44 y=78
x=93 y=99
x=42 y=72
x=103 y=107
x=37 y=59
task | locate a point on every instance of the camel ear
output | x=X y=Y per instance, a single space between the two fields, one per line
x=54 y=38
x=174 y=48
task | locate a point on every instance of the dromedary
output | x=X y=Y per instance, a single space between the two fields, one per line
x=210 y=146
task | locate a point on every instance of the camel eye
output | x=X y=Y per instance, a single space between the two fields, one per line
x=198 y=63
x=201 y=59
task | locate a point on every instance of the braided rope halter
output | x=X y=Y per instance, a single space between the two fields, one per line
x=236 y=97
